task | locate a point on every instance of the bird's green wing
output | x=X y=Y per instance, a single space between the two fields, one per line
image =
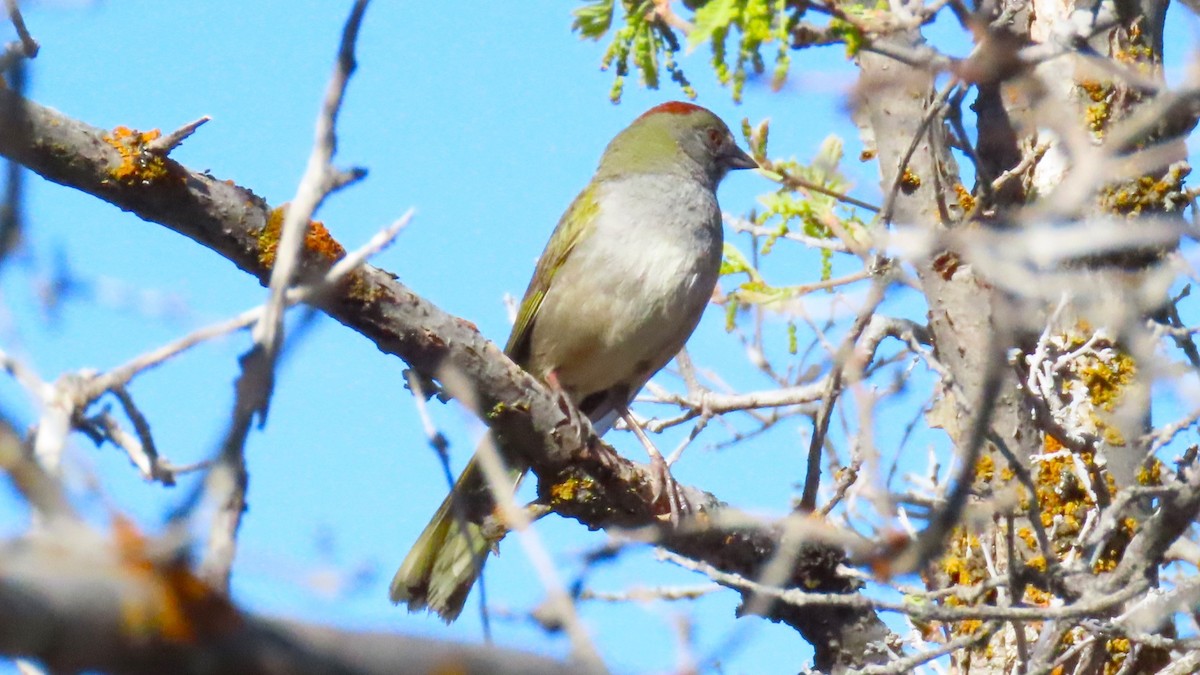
x=573 y=225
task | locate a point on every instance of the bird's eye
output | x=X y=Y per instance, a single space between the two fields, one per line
x=715 y=138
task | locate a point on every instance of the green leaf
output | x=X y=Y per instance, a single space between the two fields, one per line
x=735 y=262
x=592 y=21
x=849 y=34
x=829 y=156
x=731 y=308
x=714 y=16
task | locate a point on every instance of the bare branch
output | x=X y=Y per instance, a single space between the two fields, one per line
x=227 y=478
x=135 y=608
x=319 y=180
x=165 y=144
x=25 y=47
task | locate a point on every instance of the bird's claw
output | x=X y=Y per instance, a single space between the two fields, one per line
x=664 y=488
x=575 y=419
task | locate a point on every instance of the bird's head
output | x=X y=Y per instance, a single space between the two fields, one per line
x=675 y=138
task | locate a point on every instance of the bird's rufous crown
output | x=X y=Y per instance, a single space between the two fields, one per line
x=672 y=107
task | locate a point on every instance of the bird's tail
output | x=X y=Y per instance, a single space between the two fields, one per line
x=448 y=557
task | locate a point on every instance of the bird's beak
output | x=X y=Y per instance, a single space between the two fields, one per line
x=739 y=159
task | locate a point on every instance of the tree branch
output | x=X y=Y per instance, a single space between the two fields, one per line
x=86 y=605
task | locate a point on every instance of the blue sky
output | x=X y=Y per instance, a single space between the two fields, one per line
x=485 y=117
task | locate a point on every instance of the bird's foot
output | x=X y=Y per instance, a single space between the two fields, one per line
x=664 y=487
x=666 y=491
x=575 y=419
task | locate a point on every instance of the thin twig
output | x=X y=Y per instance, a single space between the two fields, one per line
x=165 y=144
x=1093 y=607
x=808 y=500
x=25 y=47
x=907 y=664
x=227 y=479
x=500 y=484
x=935 y=108
x=320 y=179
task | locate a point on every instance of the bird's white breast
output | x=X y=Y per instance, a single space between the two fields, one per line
x=649 y=267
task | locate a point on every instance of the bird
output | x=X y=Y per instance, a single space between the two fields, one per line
x=619 y=288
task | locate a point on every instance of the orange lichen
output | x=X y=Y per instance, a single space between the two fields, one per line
x=1052 y=444
x=1037 y=597
x=1099 y=111
x=909 y=181
x=1096 y=91
x=968 y=627
x=138 y=165
x=965 y=568
x=179 y=606
x=317 y=240
x=1065 y=482
x=965 y=199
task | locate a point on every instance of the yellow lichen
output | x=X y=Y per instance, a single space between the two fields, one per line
x=1147 y=193
x=1064 y=480
x=1118 y=645
x=985 y=469
x=1097 y=116
x=362 y=290
x=1112 y=435
x=956 y=569
x=1151 y=473
x=1136 y=50
x=964 y=568
x=570 y=489
x=1106 y=379
x=909 y=181
x=1026 y=535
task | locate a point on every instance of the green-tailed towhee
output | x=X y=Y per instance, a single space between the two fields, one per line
x=618 y=290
